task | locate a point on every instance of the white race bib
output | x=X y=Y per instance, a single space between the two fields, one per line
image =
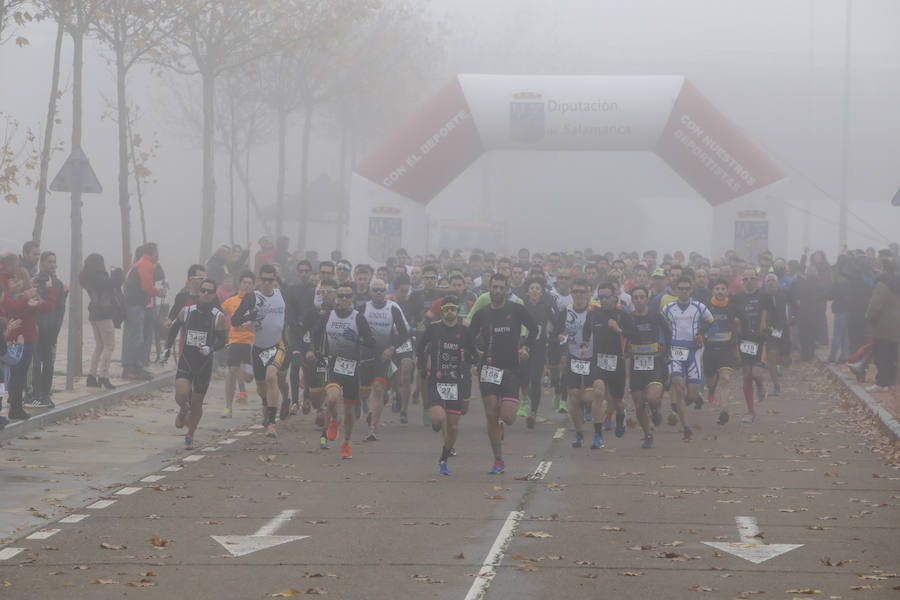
x=194 y=338
x=405 y=347
x=777 y=333
x=643 y=362
x=448 y=391
x=344 y=366
x=607 y=362
x=749 y=348
x=306 y=338
x=266 y=355
x=491 y=375
x=580 y=367
x=680 y=353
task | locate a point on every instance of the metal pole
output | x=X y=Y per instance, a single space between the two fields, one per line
x=73 y=347
x=845 y=162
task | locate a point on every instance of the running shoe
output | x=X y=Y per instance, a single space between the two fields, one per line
x=442 y=468
x=723 y=417
x=295 y=408
x=588 y=413
x=749 y=418
x=498 y=468
x=877 y=388
x=181 y=418
x=452 y=451
x=435 y=427
x=607 y=423
x=688 y=434
x=320 y=418
x=323 y=442
x=672 y=419
x=776 y=390
x=345 y=451
x=188 y=442
x=620 y=425
x=579 y=440
x=333 y=429
x=242 y=398
x=371 y=437
x=403 y=418
x=656 y=416
x=598 y=442
x=226 y=414
x=648 y=441
x=698 y=402
x=270 y=430
x=563 y=407
x=557 y=400
x=524 y=408
x=529 y=422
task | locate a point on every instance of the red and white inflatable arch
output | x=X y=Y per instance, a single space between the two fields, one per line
x=477 y=113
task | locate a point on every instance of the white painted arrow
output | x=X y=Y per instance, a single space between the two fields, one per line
x=750 y=547
x=241 y=545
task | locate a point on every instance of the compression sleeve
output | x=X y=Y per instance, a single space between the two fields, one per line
x=243 y=312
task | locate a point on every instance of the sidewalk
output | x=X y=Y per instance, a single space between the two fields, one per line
x=884 y=406
x=82 y=398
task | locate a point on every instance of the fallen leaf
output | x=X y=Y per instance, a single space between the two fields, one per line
x=158 y=542
x=288 y=593
x=459 y=556
x=803 y=591
x=142 y=583
x=104 y=581
x=631 y=573
x=109 y=546
x=702 y=588
x=536 y=534
x=529 y=568
x=585 y=563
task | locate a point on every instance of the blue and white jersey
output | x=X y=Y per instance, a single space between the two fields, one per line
x=687 y=321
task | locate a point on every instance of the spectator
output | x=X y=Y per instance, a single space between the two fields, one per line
x=839 y=294
x=31 y=256
x=810 y=296
x=266 y=254
x=48 y=327
x=139 y=291
x=237 y=262
x=106 y=311
x=883 y=315
x=217 y=265
x=226 y=289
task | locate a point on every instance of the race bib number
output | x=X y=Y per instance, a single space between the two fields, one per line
x=321 y=369
x=643 y=363
x=580 y=367
x=405 y=347
x=306 y=338
x=448 y=391
x=344 y=366
x=679 y=353
x=777 y=333
x=268 y=354
x=607 y=362
x=491 y=375
x=195 y=338
x=749 y=348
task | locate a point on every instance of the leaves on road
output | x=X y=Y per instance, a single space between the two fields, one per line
x=108 y=546
x=158 y=542
x=288 y=593
x=536 y=534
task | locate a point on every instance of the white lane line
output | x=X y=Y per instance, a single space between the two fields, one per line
x=194 y=457
x=152 y=478
x=256 y=426
x=228 y=441
x=210 y=449
x=43 y=534
x=173 y=468
x=101 y=504
x=74 y=519
x=494 y=557
x=8 y=553
x=559 y=433
x=542 y=469
x=243 y=433
x=127 y=491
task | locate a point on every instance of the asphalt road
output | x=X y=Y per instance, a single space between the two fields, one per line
x=620 y=522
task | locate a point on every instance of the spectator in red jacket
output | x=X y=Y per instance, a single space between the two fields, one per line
x=139 y=289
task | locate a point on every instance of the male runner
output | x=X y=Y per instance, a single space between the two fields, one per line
x=754 y=308
x=556 y=357
x=240 y=344
x=315 y=371
x=579 y=377
x=719 y=356
x=403 y=356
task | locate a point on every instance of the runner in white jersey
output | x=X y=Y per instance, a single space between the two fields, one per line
x=390 y=330
x=556 y=357
x=265 y=308
x=578 y=378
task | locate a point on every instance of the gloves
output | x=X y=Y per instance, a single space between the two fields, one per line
x=206 y=350
x=699 y=340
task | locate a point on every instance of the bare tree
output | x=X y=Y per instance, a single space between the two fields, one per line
x=18 y=156
x=14 y=9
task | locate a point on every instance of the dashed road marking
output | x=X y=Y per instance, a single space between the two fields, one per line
x=228 y=441
x=173 y=468
x=559 y=433
x=256 y=426
x=153 y=478
x=243 y=433
x=494 y=557
x=127 y=491
x=43 y=534
x=74 y=519
x=194 y=458
x=101 y=504
x=210 y=449
x=8 y=553
x=542 y=469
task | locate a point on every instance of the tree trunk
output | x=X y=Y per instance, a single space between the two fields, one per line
x=137 y=184
x=208 y=205
x=73 y=368
x=304 y=180
x=279 y=194
x=41 y=208
x=122 y=108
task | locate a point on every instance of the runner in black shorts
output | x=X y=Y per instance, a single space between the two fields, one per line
x=204 y=328
x=753 y=310
x=720 y=354
x=578 y=378
x=315 y=371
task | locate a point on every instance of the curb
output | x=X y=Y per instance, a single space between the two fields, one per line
x=83 y=405
x=889 y=424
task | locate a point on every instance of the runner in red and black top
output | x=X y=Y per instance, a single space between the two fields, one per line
x=754 y=309
x=443 y=357
x=499 y=327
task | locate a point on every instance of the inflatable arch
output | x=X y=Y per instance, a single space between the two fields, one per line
x=473 y=114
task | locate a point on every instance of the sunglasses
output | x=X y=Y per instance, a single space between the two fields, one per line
x=602 y=296
x=345 y=295
x=449 y=307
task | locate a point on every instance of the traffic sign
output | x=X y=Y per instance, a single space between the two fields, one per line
x=77 y=168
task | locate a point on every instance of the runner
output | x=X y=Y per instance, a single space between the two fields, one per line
x=719 y=356
x=556 y=356
x=443 y=359
x=690 y=322
x=404 y=356
x=265 y=308
x=541 y=307
x=390 y=329
x=340 y=333
x=203 y=327
x=753 y=310
x=778 y=340
x=579 y=377
x=316 y=370
x=240 y=345
x=499 y=326
x=649 y=339
x=299 y=300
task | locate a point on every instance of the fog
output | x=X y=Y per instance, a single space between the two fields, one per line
x=774 y=68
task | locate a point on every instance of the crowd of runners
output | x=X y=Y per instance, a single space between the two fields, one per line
x=345 y=342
